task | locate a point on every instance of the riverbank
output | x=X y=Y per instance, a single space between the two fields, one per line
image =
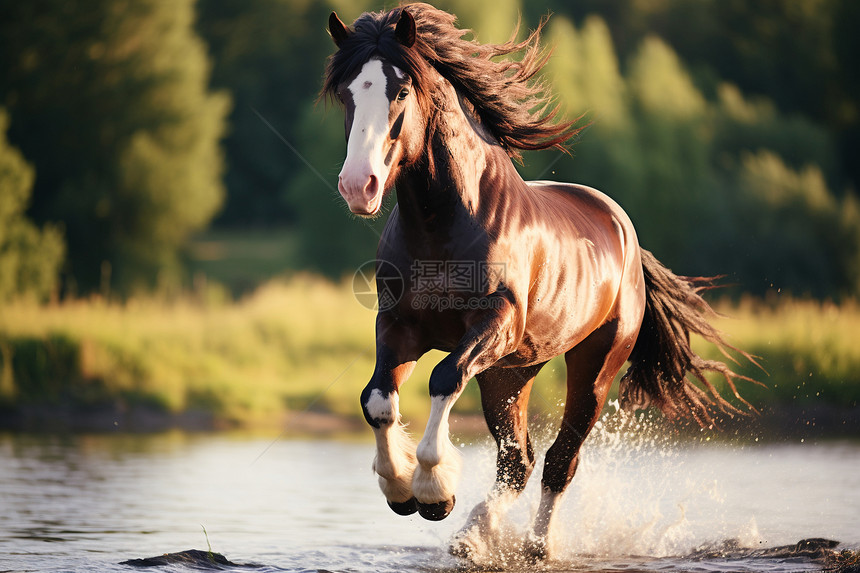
x=304 y=347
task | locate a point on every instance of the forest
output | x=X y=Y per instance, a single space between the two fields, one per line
x=160 y=153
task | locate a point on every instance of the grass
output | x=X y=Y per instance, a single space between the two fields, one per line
x=291 y=345
x=306 y=343
x=808 y=349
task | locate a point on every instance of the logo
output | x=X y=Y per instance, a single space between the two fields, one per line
x=377 y=274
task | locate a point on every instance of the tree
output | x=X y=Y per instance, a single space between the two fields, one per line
x=30 y=257
x=270 y=55
x=109 y=100
x=729 y=185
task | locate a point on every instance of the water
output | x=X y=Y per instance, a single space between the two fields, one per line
x=85 y=503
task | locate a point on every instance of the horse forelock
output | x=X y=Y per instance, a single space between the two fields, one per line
x=373 y=37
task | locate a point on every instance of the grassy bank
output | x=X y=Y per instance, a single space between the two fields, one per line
x=306 y=343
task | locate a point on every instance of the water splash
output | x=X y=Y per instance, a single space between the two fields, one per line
x=639 y=491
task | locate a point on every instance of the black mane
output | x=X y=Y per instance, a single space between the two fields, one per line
x=514 y=107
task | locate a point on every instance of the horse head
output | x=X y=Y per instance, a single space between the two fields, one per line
x=383 y=121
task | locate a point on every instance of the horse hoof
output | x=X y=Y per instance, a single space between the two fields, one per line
x=436 y=511
x=536 y=550
x=407 y=507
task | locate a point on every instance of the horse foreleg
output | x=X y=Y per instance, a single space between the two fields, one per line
x=395 y=455
x=436 y=477
x=438 y=471
x=395 y=451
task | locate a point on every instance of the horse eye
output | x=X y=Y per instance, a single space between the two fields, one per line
x=402 y=95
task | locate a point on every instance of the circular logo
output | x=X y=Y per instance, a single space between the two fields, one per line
x=377 y=285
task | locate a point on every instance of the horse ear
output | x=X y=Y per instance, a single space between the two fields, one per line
x=337 y=29
x=405 y=30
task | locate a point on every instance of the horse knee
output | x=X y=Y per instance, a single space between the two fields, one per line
x=380 y=409
x=445 y=379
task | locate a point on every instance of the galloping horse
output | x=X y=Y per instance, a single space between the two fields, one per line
x=527 y=270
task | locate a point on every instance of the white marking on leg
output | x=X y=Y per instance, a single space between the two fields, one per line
x=483 y=537
x=395 y=450
x=439 y=462
x=381 y=408
x=538 y=544
x=395 y=462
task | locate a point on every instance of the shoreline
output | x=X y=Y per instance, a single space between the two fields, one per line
x=808 y=421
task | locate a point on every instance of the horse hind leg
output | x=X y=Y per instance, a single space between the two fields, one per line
x=504 y=397
x=591 y=368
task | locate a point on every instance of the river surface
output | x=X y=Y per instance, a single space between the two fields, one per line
x=84 y=503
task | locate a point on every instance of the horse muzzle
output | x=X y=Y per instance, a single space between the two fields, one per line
x=363 y=194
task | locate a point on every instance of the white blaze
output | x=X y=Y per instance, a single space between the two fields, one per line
x=364 y=150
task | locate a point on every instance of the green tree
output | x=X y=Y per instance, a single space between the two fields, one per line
x=109 y=100
x=794 y=233
x=270 y=55
x=30 y=257
x=729 y=185
x=492 y=21
x=331 y=240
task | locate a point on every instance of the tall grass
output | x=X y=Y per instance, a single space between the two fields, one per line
x=808 y=349
x=307 y=343
x=290 y=345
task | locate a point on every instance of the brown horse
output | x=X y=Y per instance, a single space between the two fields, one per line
x=503 y=274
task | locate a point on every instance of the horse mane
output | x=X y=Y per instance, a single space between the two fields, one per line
x=512 y=105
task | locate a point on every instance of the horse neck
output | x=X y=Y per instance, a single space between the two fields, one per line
x=450 y=182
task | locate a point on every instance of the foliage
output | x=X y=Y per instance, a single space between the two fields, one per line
x=307 y=343
x=804 y=346
x=269 y=54
x=109 y=100
x=30 y=257
x=742 y=185
x=729 y=130
x=290 y=345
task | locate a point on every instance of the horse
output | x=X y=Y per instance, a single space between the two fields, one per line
x=504 y=274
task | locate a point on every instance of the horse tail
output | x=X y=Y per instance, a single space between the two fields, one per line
x=662 y=357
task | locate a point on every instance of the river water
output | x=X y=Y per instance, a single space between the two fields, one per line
x=84 y=503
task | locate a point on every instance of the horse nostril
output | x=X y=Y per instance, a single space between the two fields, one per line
x=372 y=186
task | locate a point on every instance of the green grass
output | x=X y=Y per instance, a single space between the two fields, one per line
x=808 y=349
x=293 y=344
x=305 y=342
